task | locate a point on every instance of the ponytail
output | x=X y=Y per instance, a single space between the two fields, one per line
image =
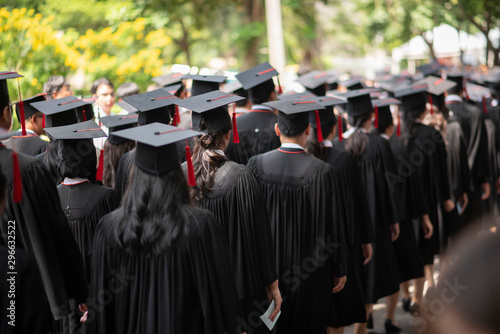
x=356 y=144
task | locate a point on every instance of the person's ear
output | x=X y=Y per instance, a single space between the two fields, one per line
x=227 y=135
x=6 y=118
x=308 y=130
x=277 y=130
x=273 y=96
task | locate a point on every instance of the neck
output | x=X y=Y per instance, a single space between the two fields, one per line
x=299 y=140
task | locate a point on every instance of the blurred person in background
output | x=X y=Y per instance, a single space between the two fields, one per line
x=57 y=87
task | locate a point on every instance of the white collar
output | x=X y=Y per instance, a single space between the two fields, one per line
x=261 y=107
x=72 y=181
x=453 y=98
x=327 y=143
x=383 y=135
x=292 y=145
x=220 y=152
x=349 y=132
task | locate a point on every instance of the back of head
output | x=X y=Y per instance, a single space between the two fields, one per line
x=77 y=158
x=357 y=143
x=98 y=82
x=55 y=84
x=127 y=89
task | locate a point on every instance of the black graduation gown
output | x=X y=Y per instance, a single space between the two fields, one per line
x=123 y=172
x=428 y=157
x=31 y=144
x=348 y=306
x=237 y=202
x=308 y=238
x=186 y=289
x=42 y=230
x=489 y=206
x=84 y=205
x=471 y=121
x=256 y=134
x=410 y=206
x=380 y=275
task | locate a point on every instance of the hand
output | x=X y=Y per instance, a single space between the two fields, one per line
x=427 y=226
x=485 y=187
x=339 y=283
x=394 y=231
x=273 y=293
x=497 y=185
x=83 y=308
x=448 y=205
x=367 y=253
x=463 y=200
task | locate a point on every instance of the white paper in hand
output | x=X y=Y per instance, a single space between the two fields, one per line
x=265 y=317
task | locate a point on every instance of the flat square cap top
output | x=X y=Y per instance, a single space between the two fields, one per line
x=418 y=88
x=127 y=107
x=315 y=79
x=83 y=130
x=168 y=79
x=437 y=86
x=209 y=101
x=156 y=134
x=52 y=107
x=207 y=78
x=257 y=75
x=429 y=69
x=291 y=107
x=4 y=75
x=115 y=121
x=385 y=102
x=152 y=100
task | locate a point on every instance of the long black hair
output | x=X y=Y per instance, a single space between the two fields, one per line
x=112 y=155
x=316 y=148
x=153 y=211
x=357 y=143
x=206 y=161
x=409 y=117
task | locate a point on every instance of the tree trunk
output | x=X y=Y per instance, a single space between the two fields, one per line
x=251 y=54
x=430 y=44
x=254 y=12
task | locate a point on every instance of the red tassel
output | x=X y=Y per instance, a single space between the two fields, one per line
x=485 y=108
x=17 y=192
x=84 y=116
x=43 y=121
x=341 y=137
x=398 y=130
x=100 y=167
x=280 y=91
x=430 y=102
x=466 y=93
x=176 y=119
x=376 y=117
x=191 y=178
x=236 y=137
x=20 y=104
x=318 y=127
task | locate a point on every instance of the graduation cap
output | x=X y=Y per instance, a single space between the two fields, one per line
x=359 y=101
x=326 y=117
x=295 y=95
x=352 y=84
x=493 y=82
x=457 y=78
x=293 y=116
x=76 y=149
x=154 y=106
x=394 y=84
x=436 y=89
x=413 y=98
x=333 y=82
x=175 y=89
x=383 y=111
x=204 y=83
x=156 y=151
x=28 y=109
x=235 y=87
x=211 y=108
x=428 y=69
x=116 y=123
x=4 y=95
x=127 y=107
x=259 y=80
x=168 y=79
x=316 y=82
x=61 y=111
x=477 y=92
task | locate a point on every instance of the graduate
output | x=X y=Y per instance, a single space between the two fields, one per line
x=316 y=82
x=304 y=207
x=376 y=161
x=347 y=306
x=231 y=192
x=202 y=84
x=171 y=257
x=83 y=202
x=41 y=227
x=154 y=106
x=30 y=143
x=427 y=147
x=256 y=127
x=115 y=147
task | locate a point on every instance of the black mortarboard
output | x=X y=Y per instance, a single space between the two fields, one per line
x=325 y=117
x=395 y=83
x=212 y=109
x=383 y=110
x=316 y=81
x=83 y=130
x=436 y=89
x=258 y=80
x=413 y=98
x=156 y=151
x=429 y=69
x=28 y=109
x=154 y=106
x=168 y=79
x=352 y=84
x=293 y=116
x=4 y=91
x=477 y=92
x=175 y=89
x=295 y=95
x=493 y=82
x=117 y=123
x=127 y=107
x=204 y=83
x=457 y=78
x=61 y=111
x=359 y=101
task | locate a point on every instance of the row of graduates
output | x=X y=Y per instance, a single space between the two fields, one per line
x=303 y=197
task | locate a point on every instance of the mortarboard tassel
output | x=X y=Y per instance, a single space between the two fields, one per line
x=176 y=119
x=84 y=116
x=43 y=121
x=430 y=102
x=376 y=117
x=236 y=137
x=466 y=93
x=318 y=127
x=398 y=130
x=191 y=178
x=17 y=192
x=341 y=137
x=20 y=104
x=485 y=108
x=100 y=167
x=280 y=91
